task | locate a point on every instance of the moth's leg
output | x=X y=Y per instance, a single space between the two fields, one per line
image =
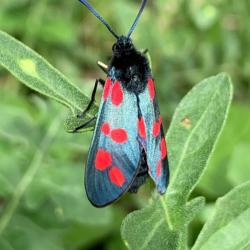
x=103 y=67
x=92 y=100
x=84 y=124
x=101 y=81
x=145 y=51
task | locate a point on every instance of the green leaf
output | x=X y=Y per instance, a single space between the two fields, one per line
x=36 y=73
x=196 y=126
x=228 y=228
x=29 y=236
x=236 y=133
x=204 y=14
x=239 y=165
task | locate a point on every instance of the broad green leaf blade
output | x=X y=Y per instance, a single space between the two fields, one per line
x=196 y=126
x=228 y=228
x=147 y=229
x=36 y=73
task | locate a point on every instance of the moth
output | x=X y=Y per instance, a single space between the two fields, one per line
x=128 y=143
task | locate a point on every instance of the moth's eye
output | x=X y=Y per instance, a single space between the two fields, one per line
x=129 y=46
x=115 y=47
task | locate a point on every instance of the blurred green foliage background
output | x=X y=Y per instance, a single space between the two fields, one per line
x=42 y=201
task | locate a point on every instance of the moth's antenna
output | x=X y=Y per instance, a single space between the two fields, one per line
x=137 y=17
x=95 y=13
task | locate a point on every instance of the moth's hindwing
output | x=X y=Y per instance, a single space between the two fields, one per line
x=153 y=138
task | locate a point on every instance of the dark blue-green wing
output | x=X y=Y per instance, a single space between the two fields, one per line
x=114 y=154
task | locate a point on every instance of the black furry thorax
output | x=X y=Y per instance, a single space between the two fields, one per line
x=129 y=66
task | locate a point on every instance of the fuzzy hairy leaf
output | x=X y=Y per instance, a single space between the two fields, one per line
x=228 y=228
x=196 y=126
x=36 y=73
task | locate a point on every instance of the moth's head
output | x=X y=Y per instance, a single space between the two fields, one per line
x=124 y=45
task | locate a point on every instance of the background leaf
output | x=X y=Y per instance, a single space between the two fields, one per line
x=196 y=125
x=235 y=134
x=228 y=228
x=239 y=165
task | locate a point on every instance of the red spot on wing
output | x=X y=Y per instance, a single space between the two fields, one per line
x=159 y=168
x=157 y=127
x=141 y=127
x=117 y=94
x=105 y=128
x=106 y=89
x=116 y=176
x=119 y=135
x=103 y=159
x=151 y=89
x=163 y=148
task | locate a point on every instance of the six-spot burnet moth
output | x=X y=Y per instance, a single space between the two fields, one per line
x=128 y=143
